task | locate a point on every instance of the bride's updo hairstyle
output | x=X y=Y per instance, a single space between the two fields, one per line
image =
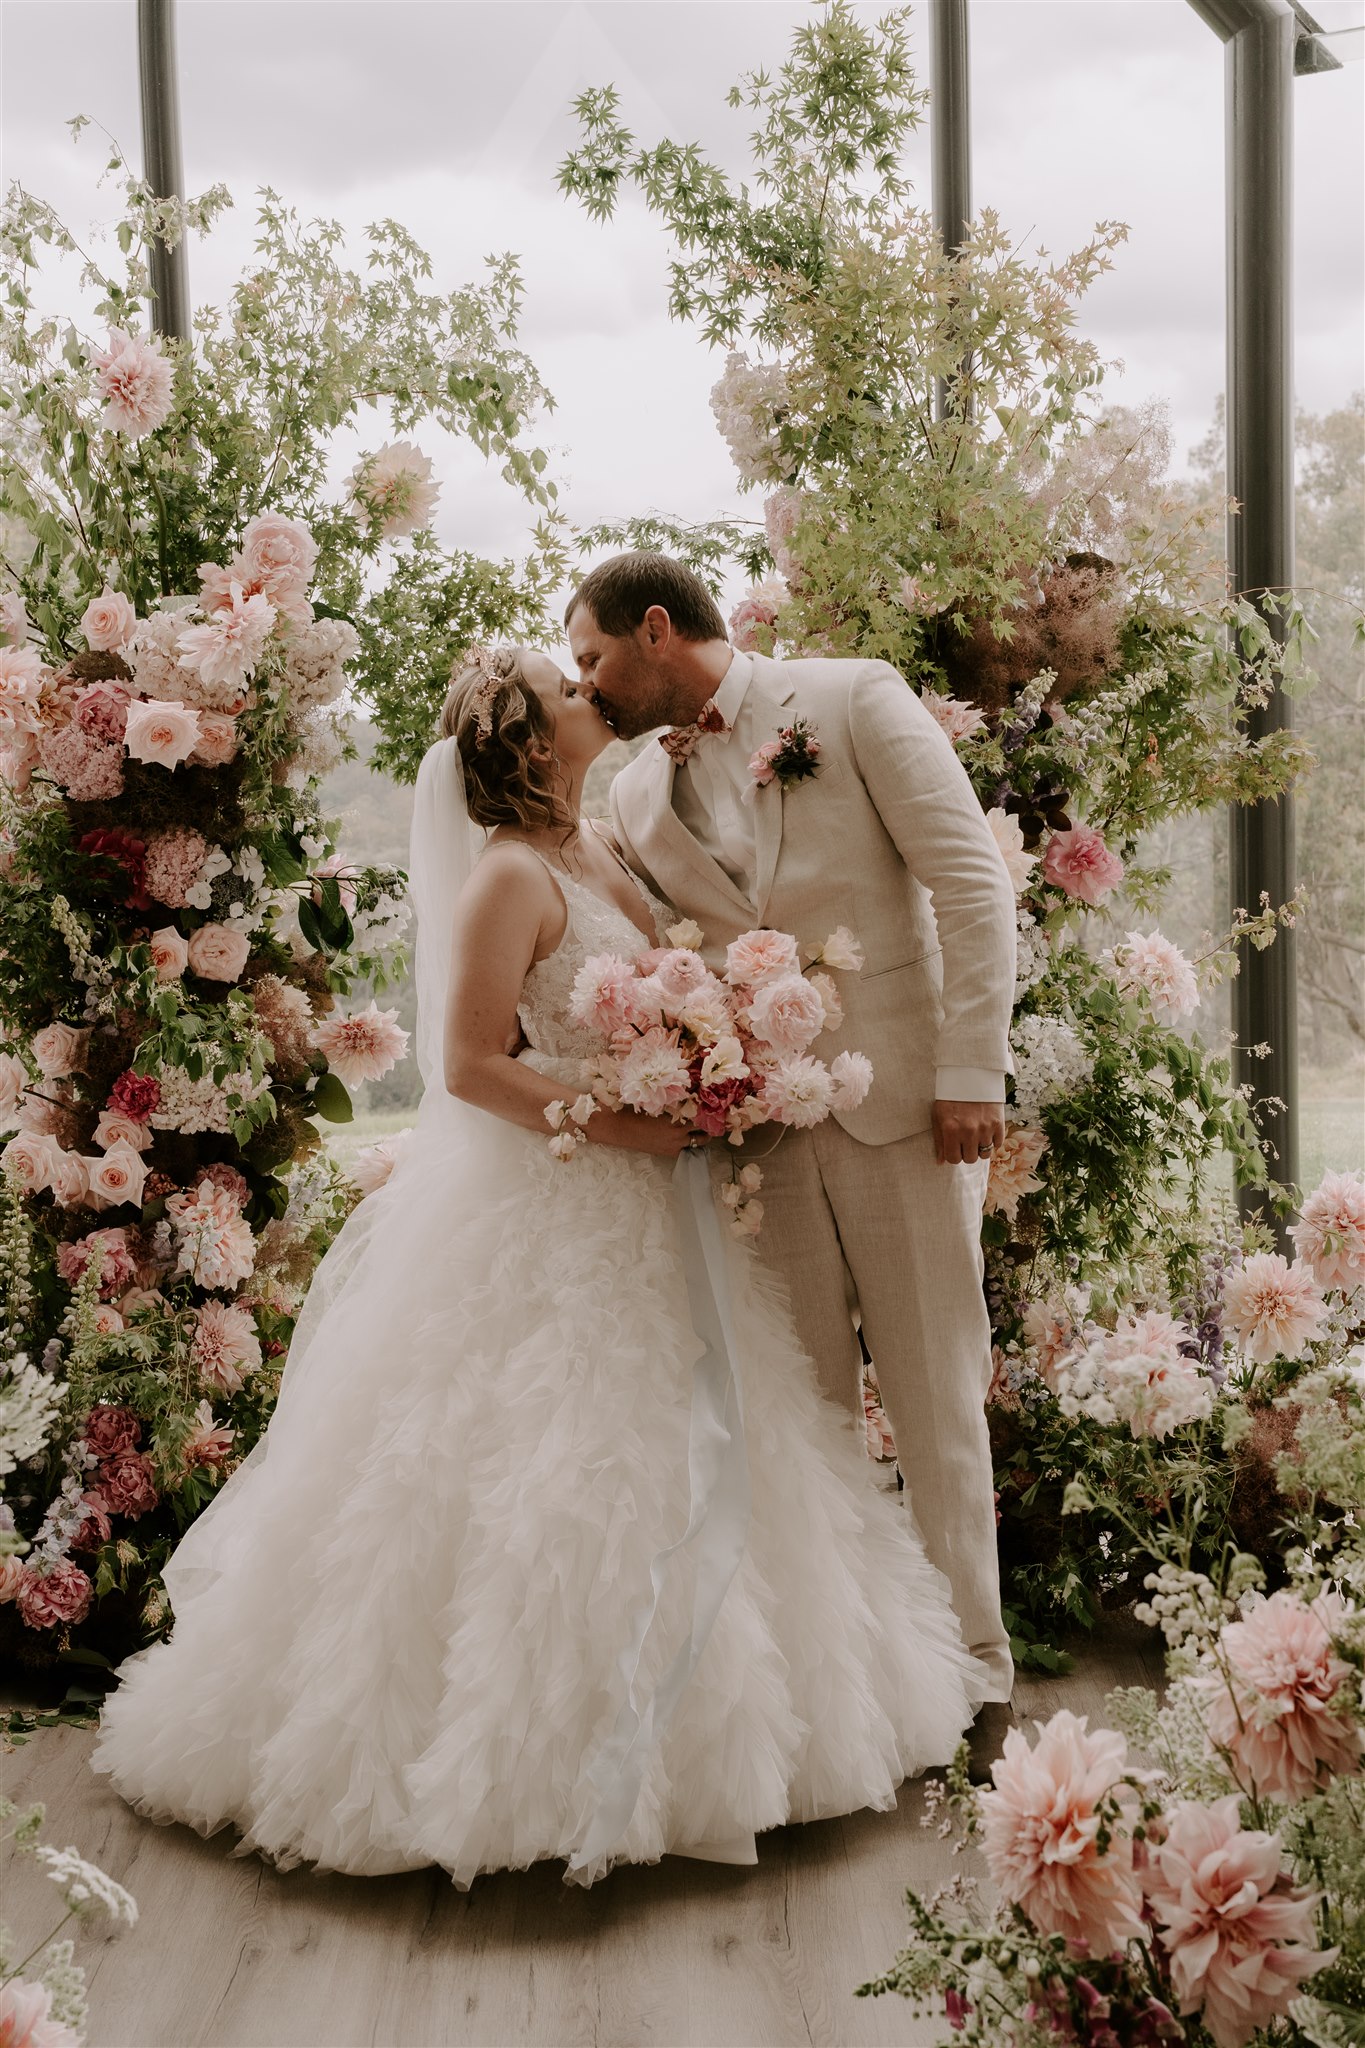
x=506 y=741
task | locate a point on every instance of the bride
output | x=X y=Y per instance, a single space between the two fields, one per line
x=486 y=1591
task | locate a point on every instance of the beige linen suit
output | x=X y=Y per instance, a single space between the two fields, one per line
x=889 y=839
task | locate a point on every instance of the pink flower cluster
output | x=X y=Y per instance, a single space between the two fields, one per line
x=1080 y=864
x=720 y=1052
x=1059 y=1834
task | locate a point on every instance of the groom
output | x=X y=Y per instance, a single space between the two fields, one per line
x=877 y=1209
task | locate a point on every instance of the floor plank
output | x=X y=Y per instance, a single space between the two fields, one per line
x=230 y=1953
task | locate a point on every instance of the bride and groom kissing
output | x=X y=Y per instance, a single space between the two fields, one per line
x=532 y=1621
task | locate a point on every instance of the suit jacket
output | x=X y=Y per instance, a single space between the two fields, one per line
x=887 y=838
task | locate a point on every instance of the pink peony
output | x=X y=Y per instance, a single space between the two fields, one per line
x=224 y=651
x=102 y=711
x=851 y=1073
x=1276 y=1309
x=86 y=767
x=208 y=1442
x=654 y=1075
x=1239 y=1937
x=373 y=1166
x=754 y=619
x=25 y=2016
x=1148 y=962
x=1011 y=1173
x=109 y=622
x=218 y=953
x=1285 y=1718
x=361 y=1047
x=1079 y=863
x=174 y=859
x=161 y=733
x=679 y=973
x=106 y=1320
x=21 y=683
x=111 y=1245
x=117 y=1177
x=1330 y=1234
x=1040 y=1835
x=127 y=1484
x=278 y=556
x=170 y=953
x=216 y=1247
x=225 y=1349
x=135 y=381
x=756 y=957
x=109 y=1431
x=395 y=485
x=798 y=1092
x=53 y=1598
x=1008 y=835
x=958 y=720
x=61 y=1049
x=94 y=1529
x=217 y=742
x=787 y=1013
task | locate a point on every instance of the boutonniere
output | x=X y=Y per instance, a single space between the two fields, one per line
x=791 y=757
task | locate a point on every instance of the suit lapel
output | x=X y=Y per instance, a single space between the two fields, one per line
x=678 y=841
x=769 y=691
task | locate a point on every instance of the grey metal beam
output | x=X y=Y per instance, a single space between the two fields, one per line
x=950 y=135
x=162 y=163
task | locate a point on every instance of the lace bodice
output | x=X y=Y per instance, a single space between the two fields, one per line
x=594 y=926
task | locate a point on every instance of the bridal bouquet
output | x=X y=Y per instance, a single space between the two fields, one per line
x=723 y=1053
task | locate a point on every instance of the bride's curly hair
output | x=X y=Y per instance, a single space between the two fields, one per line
x=512 y=775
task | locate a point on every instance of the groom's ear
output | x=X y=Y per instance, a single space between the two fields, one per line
x=656 y=628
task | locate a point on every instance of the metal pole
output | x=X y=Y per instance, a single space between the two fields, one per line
x=162 y=164
x=1259 y=73
x=950 y=134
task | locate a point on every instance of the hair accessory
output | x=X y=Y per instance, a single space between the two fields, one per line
x=485 y=661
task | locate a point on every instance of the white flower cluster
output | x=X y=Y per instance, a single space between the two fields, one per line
x=248 y=898
x=1135 y=1374
x=315 y=666
x=85 y=1887
x=381 y=926
x=66 y=1510
x=29 y=1402
x=1050 y=1062
x=748 y=401
x=1033 y=953
x=205 y=1104
x=216 y=862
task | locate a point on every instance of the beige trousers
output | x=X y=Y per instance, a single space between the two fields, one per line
x=888 y=1232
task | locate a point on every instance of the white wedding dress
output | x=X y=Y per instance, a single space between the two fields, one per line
x=401 y=1626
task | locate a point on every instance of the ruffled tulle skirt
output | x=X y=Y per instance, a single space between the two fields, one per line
x=399 y=1626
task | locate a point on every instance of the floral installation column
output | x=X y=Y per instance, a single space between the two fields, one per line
x=191 y=971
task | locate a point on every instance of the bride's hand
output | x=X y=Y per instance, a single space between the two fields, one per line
x=658 y=1135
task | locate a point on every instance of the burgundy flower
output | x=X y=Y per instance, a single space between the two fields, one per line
x=135 y=1095
x=122 y=850
x=111 y=1431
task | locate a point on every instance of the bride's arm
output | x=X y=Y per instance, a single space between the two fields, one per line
x=508 y=912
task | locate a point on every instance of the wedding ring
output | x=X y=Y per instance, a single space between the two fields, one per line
x=984 y=1151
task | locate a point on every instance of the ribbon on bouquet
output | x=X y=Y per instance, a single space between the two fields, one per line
x=718 y=1522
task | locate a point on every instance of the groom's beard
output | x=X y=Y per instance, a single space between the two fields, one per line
x=645 y=713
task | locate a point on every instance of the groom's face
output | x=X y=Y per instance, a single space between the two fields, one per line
x=628 y=678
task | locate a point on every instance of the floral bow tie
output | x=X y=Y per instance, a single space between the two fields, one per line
x=679 y=742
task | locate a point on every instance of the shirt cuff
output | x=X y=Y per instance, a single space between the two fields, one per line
x=969 y=1084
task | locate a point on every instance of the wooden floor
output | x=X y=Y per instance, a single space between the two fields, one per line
x=229 y=1953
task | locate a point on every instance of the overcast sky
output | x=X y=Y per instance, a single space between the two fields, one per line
x=451 y=115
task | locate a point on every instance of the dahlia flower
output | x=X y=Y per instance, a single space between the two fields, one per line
x=1011 y=1168
x=1147 y=962
x=395 y=485
x=1008 y=835
x=1276 y=1309
x=361 y=1047
x=1285 y=1717
x=1330 y=1234
x=135 y=381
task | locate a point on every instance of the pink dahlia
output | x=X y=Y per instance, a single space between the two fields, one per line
x=799 y=1092
x=1330 y=1234
x=604 y=993
x=1148 y=962
x=1285 y=1717
x=225 y=1349
x=654 y=1076
x=224 y=651
x=134 y=379
x=959 y=720
x=851 y=1073
x=208 y=1442
x=216 y=1247
x=1238 y=1936
x=361 y=1047
x=1080 y=863
x=50 y=1599
x=1012 y=1175
x=1276 y=1309
x=374 y=1165
x=1041 y=1825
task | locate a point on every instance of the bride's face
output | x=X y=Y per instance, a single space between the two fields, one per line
x=580 y=730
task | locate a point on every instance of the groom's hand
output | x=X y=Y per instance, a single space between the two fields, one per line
x=967 y=1131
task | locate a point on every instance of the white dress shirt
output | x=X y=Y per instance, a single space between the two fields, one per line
x=709 y=799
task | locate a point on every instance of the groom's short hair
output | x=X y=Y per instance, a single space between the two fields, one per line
x=619 y=592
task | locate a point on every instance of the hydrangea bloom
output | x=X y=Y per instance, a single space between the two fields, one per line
x=748 y=401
